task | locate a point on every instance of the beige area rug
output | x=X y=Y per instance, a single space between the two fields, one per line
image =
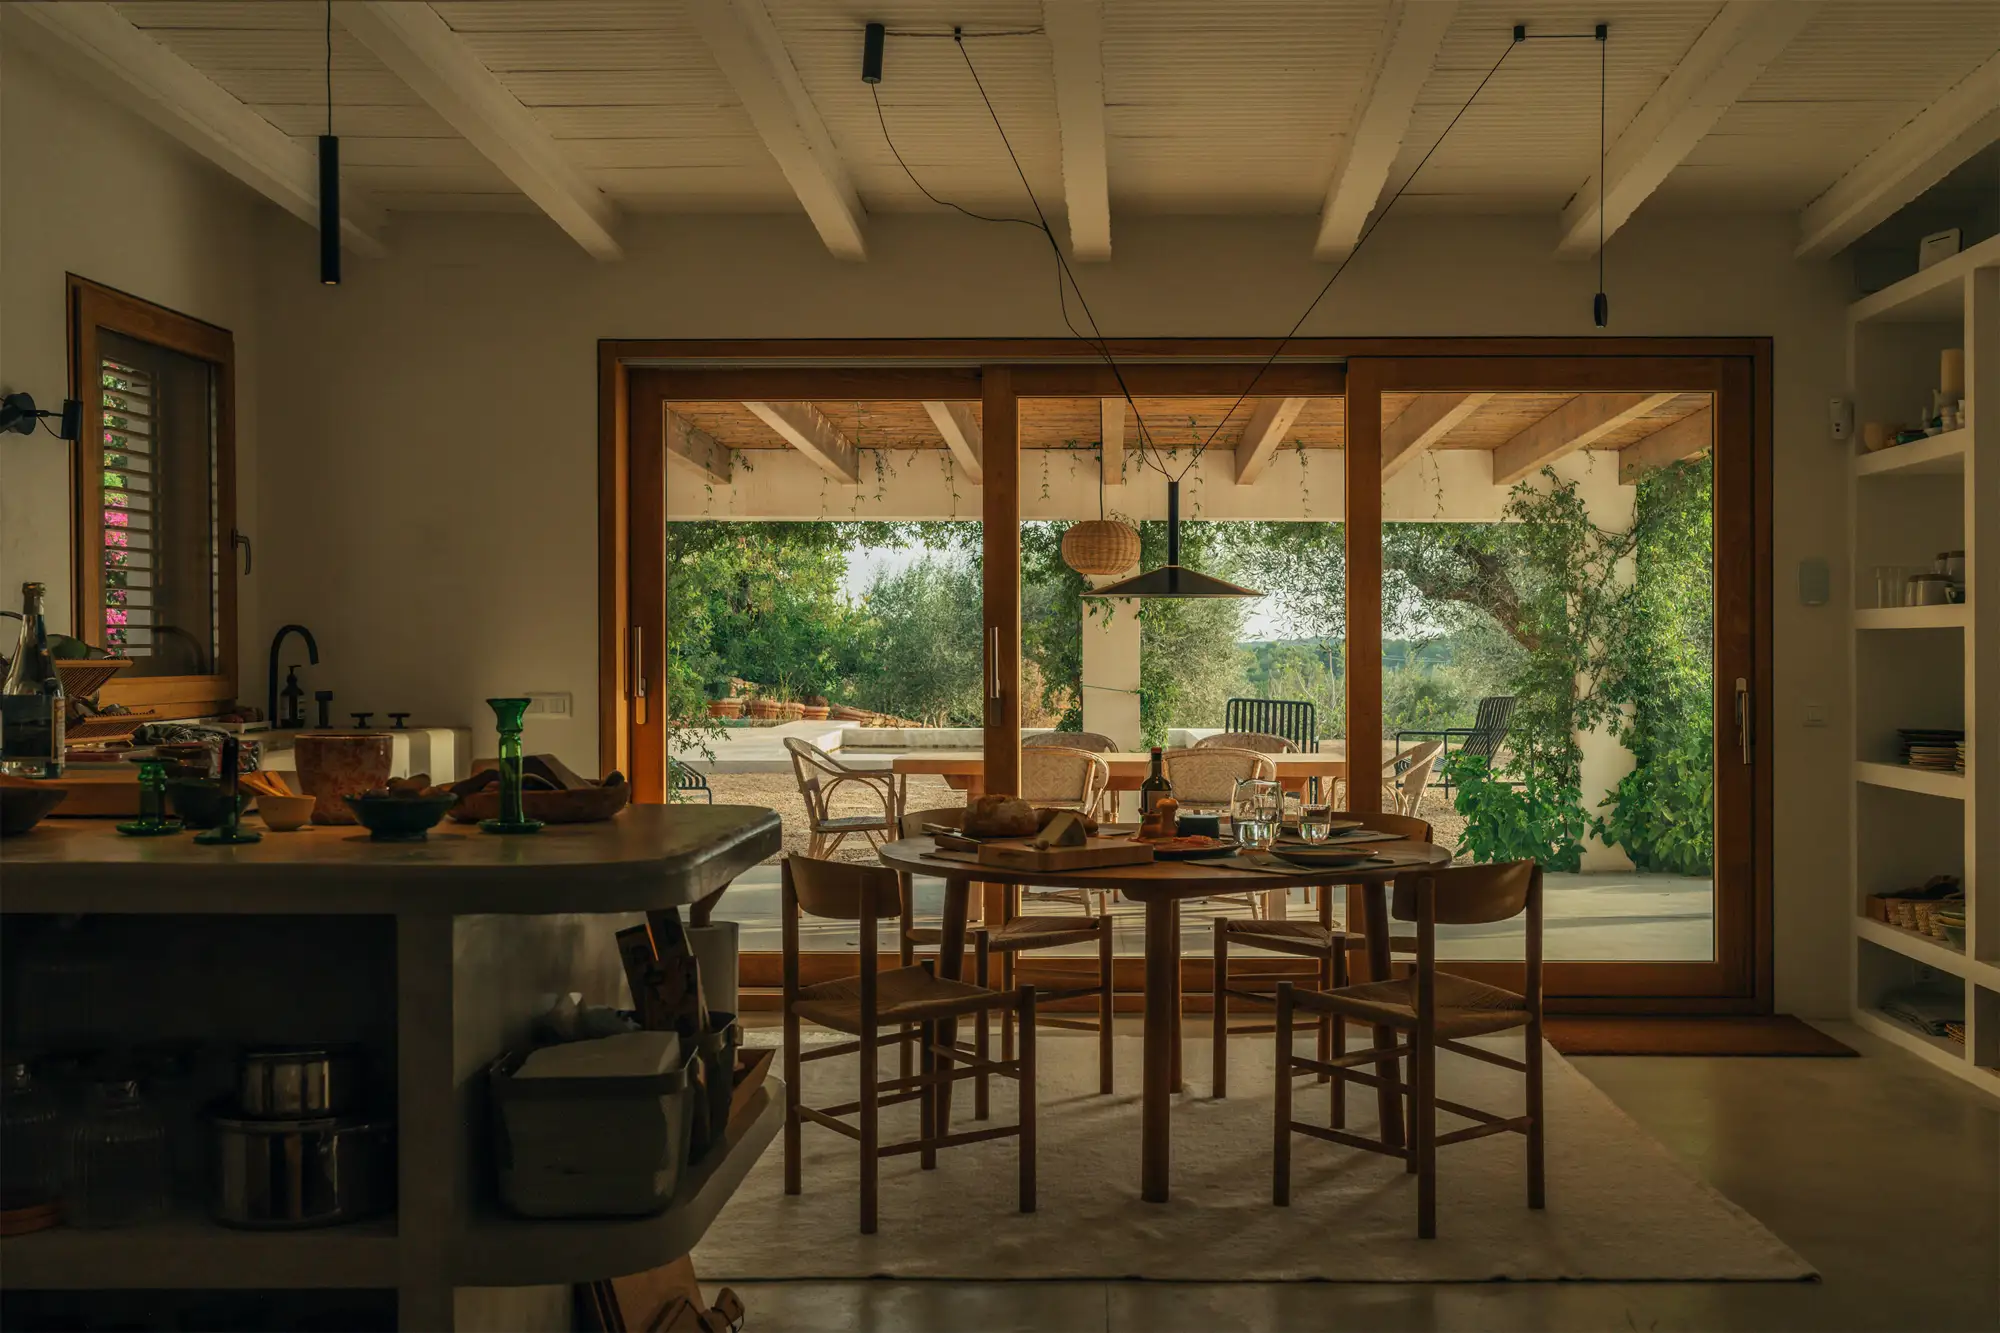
x=1619 y=1207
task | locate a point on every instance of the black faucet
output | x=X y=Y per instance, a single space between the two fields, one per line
x=296 y=719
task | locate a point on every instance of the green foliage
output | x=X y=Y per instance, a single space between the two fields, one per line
x=1416 y=699
x=1052 y=612
x=1190 y=663
x=1537 y=819
x=923 y=657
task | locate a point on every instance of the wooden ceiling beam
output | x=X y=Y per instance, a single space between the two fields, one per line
x=960 y=429
x=1076 y=37
x=1689 y=437
x=423 y=51
x=1575 y=425
x=1111 y=433
x=1262 y=435
x=1412 y=36
x=695 y=446
x=807 y=430
x=1917 y=156
x=1744 y=37
x=746 y=44
x=1423 y=425
x=173 y=95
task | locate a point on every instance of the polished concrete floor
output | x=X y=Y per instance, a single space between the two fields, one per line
x=1882 y=1172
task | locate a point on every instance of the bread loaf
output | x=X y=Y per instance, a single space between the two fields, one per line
x=999 y=816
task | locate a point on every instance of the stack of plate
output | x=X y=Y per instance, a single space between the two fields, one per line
x=1933 y=749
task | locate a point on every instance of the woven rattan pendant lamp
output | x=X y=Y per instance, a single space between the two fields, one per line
x=1101 y=546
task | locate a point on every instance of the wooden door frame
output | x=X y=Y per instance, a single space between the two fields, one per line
x=638 y=376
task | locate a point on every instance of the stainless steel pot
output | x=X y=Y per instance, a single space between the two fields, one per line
x=302 y=1173
x=1928 y=590
x=299 y=1081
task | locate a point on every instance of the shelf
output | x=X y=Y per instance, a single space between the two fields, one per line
x=1925 y=949
x=192 y=1252
x=1913 y=617
x=1946 y=1054
x=1935 y=455
x=498 y=1251
x=1932 y=296
x=1902 y=776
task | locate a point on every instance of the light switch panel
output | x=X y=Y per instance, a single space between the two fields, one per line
x=1815 y=581
x=552 y=705
x=1815 y=715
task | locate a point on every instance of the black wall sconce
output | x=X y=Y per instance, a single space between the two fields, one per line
x=19 y=414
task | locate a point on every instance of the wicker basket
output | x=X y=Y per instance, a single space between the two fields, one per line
x=1100 y=546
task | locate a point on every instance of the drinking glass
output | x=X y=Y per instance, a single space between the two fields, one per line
x=118 y=1160
x=1256 y=807
x=508 y=715
x=1316 y=824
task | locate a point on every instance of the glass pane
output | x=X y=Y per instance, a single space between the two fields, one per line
x=157 y=487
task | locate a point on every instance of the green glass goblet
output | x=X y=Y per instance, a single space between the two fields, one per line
x=508 y=715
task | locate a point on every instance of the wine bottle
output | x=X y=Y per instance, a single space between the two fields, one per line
x=1155 y=786
x=32 y=709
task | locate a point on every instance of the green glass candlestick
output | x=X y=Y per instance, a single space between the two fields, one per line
x=152 y=820
x=507 y=716
x=231 y=830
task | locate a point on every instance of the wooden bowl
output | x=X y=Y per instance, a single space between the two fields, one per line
x=583 y=805
x=23 y=806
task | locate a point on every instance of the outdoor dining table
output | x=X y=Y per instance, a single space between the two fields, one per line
x=1161 y=886
x=965 y=770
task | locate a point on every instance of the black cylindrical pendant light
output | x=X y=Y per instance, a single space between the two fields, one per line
x=329 y=177
x=872 y=38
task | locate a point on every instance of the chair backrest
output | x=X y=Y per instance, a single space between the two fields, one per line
x=1260 y=741
x=1297 y=720
x=843 y=890
x=1070 y=740
x=1408 y=786
x=1386 y=821
x=1209 y=777
x=1489 y=727
x=685 y=778
x=1472 y=895
x=1062 y=776
x=912 y=826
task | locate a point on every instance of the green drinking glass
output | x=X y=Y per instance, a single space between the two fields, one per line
x=507 y=717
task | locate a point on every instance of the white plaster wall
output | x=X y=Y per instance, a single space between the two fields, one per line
x=87 y=187
x=429 y=482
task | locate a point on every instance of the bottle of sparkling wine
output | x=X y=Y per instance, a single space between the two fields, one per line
x=1156 y=786
x=31 y=700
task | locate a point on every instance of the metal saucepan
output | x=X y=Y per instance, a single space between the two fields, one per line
x=298 y=1081
x=302 y=1173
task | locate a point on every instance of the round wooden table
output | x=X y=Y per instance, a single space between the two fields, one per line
x=1162 y=886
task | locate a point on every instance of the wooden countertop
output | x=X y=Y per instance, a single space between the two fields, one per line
x=650 y=856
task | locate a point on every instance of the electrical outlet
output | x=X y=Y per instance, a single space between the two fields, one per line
x=1815 y=715
x=552 y=705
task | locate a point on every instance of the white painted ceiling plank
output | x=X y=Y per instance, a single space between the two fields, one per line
x=1691 y=435
x=1262 y=435
x=192 y=107
x=1415 y=31
x=806 y=429
x=427 y=55
x=696 y=446
x=1744 y=37
x=1423 y=425
x=744 y=41
x=960 y=430
x=1573 y=426
x=1076 y=35
x=1919 y=155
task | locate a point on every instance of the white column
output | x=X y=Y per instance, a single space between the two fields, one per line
x=1613 y=507
x=1111 y=666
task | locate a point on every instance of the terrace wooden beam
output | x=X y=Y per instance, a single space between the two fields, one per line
x=960 y=429
x=744 y=41
x=1692 y=435
x=1573 y=426
x=1262 y=435
x=1111 y=434
x=1740 y=41
x=1076 y=40
x=804 y=428
x=1423 y=425
x=1414 y=33
x=424 y=52
x=691 y=444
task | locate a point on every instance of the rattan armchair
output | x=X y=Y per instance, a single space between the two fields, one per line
x=1260 y=741
x=1205 y=777
x=819 y=775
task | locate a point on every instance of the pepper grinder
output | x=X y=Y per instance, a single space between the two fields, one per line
x=230 y=830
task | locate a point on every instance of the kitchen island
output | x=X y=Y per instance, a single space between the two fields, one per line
x=439 y=956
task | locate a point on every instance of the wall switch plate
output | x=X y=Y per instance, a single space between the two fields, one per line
x=1840 y=418
x=1815 y=715
x=1815 y=581
x=555 y=704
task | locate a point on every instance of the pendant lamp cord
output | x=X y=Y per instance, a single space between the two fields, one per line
x=329 y=68
x=1603 y=54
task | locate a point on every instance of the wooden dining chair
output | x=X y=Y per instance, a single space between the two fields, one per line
x=1432 y=1011
x=1318 y=940
x=866 y=1004
x=1018 y=934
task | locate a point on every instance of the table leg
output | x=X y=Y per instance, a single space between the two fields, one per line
x=1389 y=1102
x=951 y=966
x=1163 y=965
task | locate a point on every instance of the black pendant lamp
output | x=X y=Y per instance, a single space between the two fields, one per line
x=329 y=177
x=1170 y=579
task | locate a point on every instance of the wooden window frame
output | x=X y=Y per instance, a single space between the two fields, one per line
x=92 y=306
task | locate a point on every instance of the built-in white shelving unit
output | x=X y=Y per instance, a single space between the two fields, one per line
x=1928 y=666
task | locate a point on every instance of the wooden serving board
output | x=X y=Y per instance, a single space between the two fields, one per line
x=1093 y=854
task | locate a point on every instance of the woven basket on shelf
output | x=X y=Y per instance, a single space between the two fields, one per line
x=1100 y=546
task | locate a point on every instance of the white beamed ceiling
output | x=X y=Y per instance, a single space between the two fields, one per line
x=1210 y=107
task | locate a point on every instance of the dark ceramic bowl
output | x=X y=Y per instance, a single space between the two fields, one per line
x=400 y=818
x=202 y=802
x=22 y=807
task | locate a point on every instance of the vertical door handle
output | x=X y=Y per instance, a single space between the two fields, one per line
x=237 y=539
x=639 y=673
x=994 y=705
x=1743 y=717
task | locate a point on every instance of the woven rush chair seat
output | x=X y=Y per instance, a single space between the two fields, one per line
x=851 y=824
x=1042 y=932
x=1284 y=935
x=922 y=935
x=903 y=995
x=1465 y=1008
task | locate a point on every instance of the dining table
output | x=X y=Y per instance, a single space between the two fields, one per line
x=1161 y=886
x=965 y=770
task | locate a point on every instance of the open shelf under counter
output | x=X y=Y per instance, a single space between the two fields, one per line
x=1943 y=1052
x=1933 y=295
x=1951 y=786
x=1954 y=616
x=190 y=1252
x=1936 y=455
x=1913 y=944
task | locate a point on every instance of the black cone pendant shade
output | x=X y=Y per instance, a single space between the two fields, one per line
x=1170 y=580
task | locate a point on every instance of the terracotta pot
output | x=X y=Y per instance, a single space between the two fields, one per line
x=333 y=765
x=793 y=712
x=815 y=713
x=766 y=709
x=725 y=708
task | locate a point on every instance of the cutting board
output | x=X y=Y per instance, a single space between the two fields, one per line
x=1095 y=853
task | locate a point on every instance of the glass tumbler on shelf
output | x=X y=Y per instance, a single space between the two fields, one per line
x=31 y=1139
x=1256 y=807
x=117 y=1160
x=508 y=715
